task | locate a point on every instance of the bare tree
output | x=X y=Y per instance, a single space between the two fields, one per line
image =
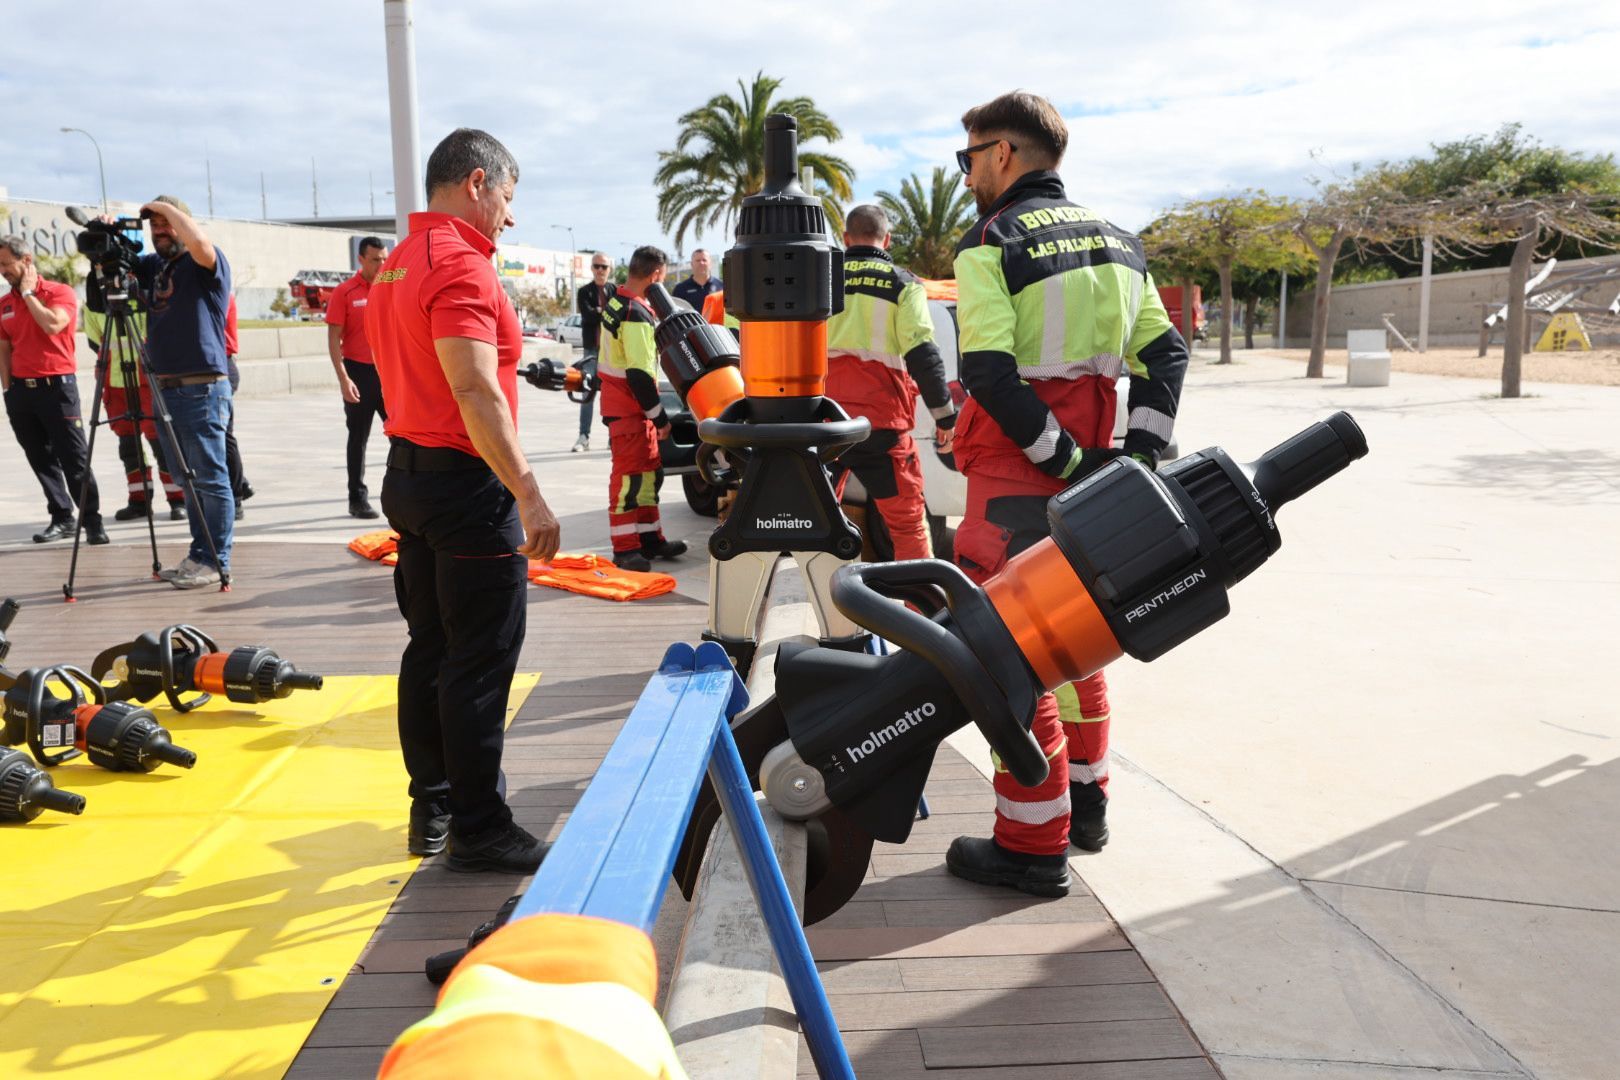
x=1366 y=209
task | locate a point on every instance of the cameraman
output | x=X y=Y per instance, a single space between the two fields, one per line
x=187 y=289
x=38 y=375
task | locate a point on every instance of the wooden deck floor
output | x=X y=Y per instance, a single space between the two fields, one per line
x=928 y=975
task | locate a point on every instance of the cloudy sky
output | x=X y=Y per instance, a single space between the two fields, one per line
x=1165 y=100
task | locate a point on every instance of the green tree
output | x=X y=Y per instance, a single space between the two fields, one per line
x=927 y=224
x=67 y=269
x=719 y=158
x=1224 y=233
x=283 y=305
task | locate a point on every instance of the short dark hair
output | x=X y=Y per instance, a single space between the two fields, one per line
x=369 y=242
x=646 y=260
x=464 y=150
x=1038 y=127
x=867 y=222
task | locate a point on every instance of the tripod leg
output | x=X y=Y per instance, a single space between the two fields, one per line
x=89 y=475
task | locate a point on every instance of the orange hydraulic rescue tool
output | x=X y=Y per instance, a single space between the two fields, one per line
x=1137 y=563
x=761 y=405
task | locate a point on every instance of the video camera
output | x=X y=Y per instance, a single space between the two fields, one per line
x=107 y=244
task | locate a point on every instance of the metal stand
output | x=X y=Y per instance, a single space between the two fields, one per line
x=785 y=506
x=121 y=337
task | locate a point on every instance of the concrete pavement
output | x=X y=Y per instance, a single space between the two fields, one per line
x=1364 y=827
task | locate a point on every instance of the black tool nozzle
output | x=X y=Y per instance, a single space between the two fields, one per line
x=294 y=679
x=165 y=751
x=781 y=155
x=1295 y=466
x=63 y=802
x=8 y=613
x=26 y=790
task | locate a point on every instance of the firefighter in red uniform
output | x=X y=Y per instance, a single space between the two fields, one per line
x=880 y=350
x=628 y=368
x=467 y=507
x=1054 y=304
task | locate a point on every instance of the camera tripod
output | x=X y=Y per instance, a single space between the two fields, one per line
x=122 y=343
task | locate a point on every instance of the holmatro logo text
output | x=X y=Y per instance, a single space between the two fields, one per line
x=874 y=739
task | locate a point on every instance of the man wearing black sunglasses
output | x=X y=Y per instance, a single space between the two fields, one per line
x=1055 y=304
x=593 y=297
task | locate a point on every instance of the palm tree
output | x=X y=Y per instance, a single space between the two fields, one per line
x=719 y=158
x=927 y=226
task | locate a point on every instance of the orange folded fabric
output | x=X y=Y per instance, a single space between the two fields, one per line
x=593 y=575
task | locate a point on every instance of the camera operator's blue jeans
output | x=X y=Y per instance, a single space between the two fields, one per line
x=201 y=414
x=588 y=406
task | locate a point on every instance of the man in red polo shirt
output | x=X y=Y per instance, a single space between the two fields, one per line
x=463 y=499
x=356 y=374
x=38 y=372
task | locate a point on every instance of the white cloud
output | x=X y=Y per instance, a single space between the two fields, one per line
x=1166 y=100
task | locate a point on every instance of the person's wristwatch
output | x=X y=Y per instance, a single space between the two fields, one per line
x=29 y=292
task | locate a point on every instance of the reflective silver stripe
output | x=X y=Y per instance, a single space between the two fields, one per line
x=1054 y=320
x=622 y=530
x=888 y=360
x=1046 y=443
x=647 y=526
x=1033 y=813
x=652 y=413
x=1152 y=421
x=942 y=412
x=1107 y=365
x=1088 y=774
x=1133 y=308
x=880 y=325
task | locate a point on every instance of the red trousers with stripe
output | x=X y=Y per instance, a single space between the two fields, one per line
x=137 y=473
x=1004 y=517
x=634 y=483
x=886 y=465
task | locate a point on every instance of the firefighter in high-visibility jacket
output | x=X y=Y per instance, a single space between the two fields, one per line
x=1054 y=305
x=628 y=368
x=120 y=405
x=880 y=355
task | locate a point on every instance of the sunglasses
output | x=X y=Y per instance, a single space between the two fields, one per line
x=964 y=158
x=600 y=266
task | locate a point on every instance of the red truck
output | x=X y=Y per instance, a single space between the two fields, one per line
x=311 y=289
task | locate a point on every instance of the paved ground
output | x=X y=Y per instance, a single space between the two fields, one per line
x=1364 y=827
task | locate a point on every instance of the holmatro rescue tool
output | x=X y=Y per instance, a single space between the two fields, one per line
x=181 y=659
x=760 y=402
x=1137 y=563
x=557 y=376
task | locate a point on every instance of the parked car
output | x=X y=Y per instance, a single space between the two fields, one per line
x=570 y=331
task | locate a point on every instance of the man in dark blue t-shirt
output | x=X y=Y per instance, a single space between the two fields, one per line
x=701 y=283
x=186 y=286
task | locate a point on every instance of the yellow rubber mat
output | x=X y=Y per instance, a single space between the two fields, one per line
x=196 y=924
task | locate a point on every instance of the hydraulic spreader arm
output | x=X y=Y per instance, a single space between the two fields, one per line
x=1137 y=563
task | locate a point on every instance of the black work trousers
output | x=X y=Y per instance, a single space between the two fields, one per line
x=358 y=417
x=233 y=452
x=462 y=588
x=49 y=425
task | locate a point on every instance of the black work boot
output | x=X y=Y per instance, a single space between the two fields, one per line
x=132 y=512
x=56 y=530
x=429 y=831
x=95 y=532
x=177 y=512
x=980 y=859
x=663 y=549
x=507 y=847
x=631 y=560
x=1088 y=817
x=360 y=507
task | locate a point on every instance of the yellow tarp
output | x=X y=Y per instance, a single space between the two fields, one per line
x=195 y=924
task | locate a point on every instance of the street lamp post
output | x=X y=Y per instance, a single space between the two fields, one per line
x=102 y=169
x=573 y=257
